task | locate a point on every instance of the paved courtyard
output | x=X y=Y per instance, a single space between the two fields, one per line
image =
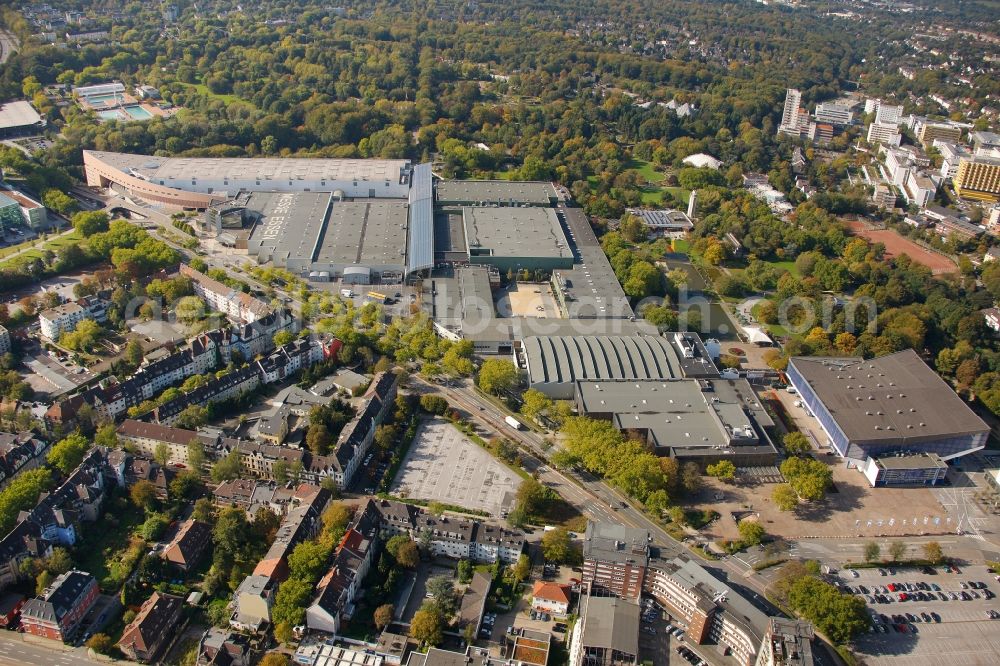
x=444 y=465
x=528 y=300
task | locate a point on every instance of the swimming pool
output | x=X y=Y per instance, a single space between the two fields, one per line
x=137 y=112
x=125 y=113
x=101 y=100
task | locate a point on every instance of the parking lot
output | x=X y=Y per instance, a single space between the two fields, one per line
x=445 y=466
x=926 y=617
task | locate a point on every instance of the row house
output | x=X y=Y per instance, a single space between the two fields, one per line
x=55 y=520
x=254 y=597
x=147 y=437
x=231 y=385
x=19 y=452
x=356 y=438
x=152 y=628
x=450 y=536
x=339 y=588
x=129 y=470
x=233 y=303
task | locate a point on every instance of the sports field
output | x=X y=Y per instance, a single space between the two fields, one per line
x=896 y=245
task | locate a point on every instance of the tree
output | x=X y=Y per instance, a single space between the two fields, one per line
x=161 y=453
x=723 y=470
x=282 y=338
x=291 y=600
x=275 y=659
x=42 y=581
x=318 y=439
x=784 y=497
x=556 y=545
x=427 y=625
x=101 y=644
x=433 y=404
x=464 y=570
x=408 y=555
x=228 y=468
x=59 y=562
x=443 y=593
x=691 y=478
x=204 y=511
x=897 y=549
x=383 y=616
x=522 y=568
x=872 y=551
x=307 y=560
x=933 y=552
x=196 y=454
x=497 y=375
x=534 y=402
x=89 y=223
x=143 y=495
x=283 y=632
x=796 y=444
x=385 y=436
x=107 y=436
x=751 y=532
x=67 y=454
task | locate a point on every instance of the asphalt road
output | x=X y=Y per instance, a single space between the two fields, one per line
x=15 y=651
x=8 y=44
x=590 y=495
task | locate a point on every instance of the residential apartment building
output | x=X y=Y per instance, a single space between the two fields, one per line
x=888 y=114
x=449 y=536
x=884 y=196
x=152 y=628
x=57 y=518
x=147 y=437
x=919 y=189
x=57 y=612
x=64 y=318
x=606 y=633
x=20 y=452
x=793 y=117
x=615 y=559
x=232 y=302
x=978 y=178
x=338 y=589
x=189 y=545
x=887 y=133
x=786 y=643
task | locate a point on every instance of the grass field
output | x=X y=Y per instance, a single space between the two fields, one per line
x=202 y=89
x=53 y=245
x=645 y=169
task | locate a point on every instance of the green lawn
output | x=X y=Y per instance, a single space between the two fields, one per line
x=202 y=89
x=681 y=245
x=103 y=540
x=652 y=196
x=53 y=245
x=646 y=169
x=679 y=193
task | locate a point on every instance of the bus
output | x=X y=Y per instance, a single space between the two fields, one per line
x=377 y=297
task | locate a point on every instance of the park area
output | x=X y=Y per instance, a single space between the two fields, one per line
x=443 y=465
x=896 y=245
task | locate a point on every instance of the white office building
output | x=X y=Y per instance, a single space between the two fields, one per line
x=888 y=114
x=834 y=114
x=887 y=133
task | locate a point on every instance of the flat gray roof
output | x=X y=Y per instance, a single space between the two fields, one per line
x=504 y=192
x=611 y=623
x=263 y=168
x=18 y=114
x=515 y=232
x=462 y=302
x=911 y=461
x=681 y=412
x=664 y=219
x=290 y=226
x=891 y=398
x=610 y=542
x=368 y=232
x=591 y=288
